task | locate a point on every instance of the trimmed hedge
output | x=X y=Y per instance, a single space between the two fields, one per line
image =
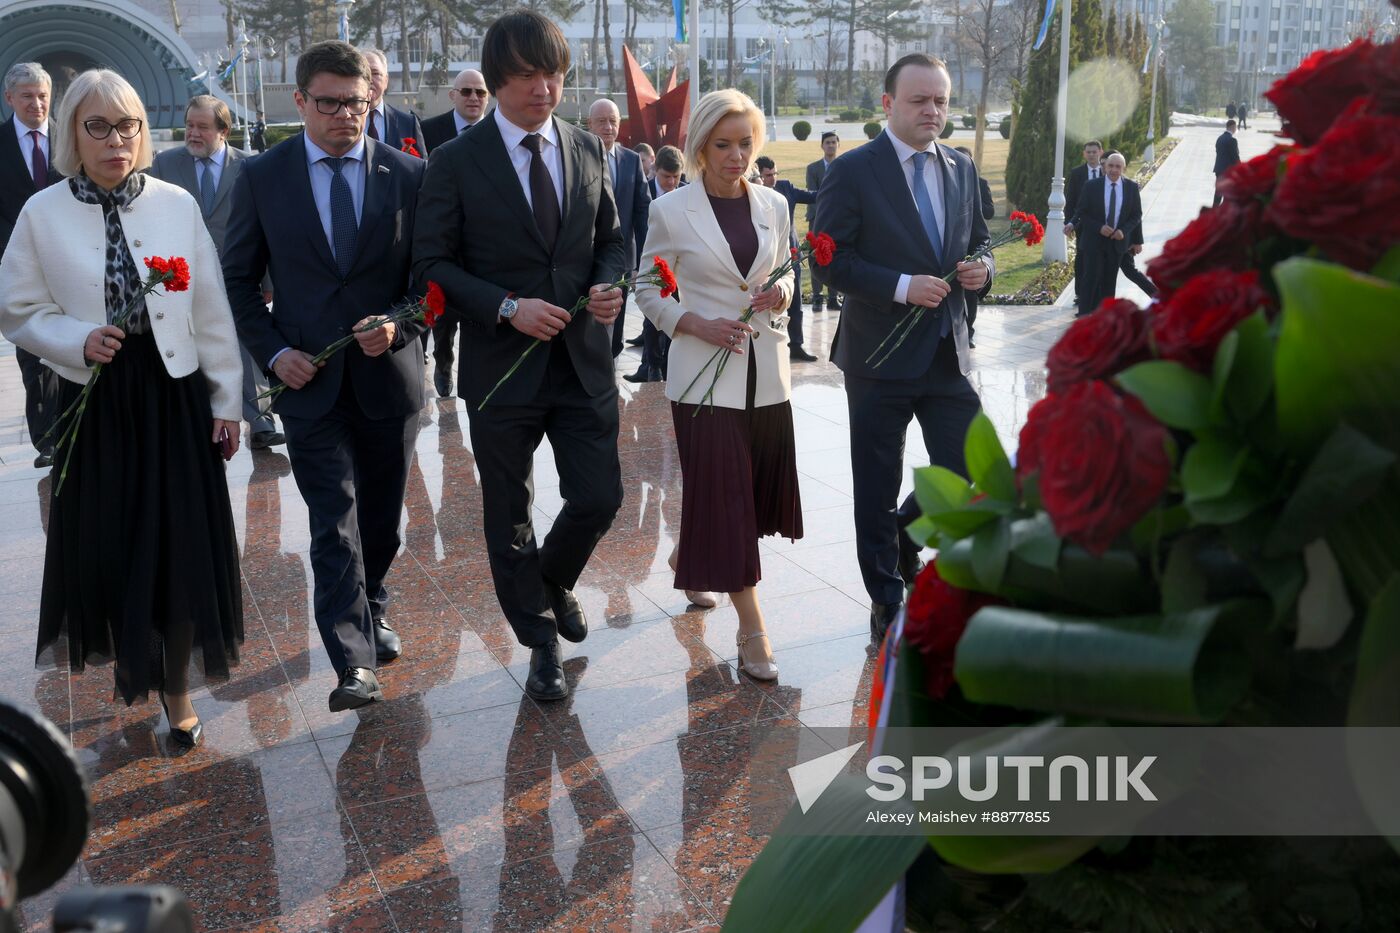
x=872 y=129
x=801 y=130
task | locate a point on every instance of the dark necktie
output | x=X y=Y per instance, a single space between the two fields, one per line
x=1113 y=204
x=373 y=133
x=206 y=186
x=344 y=227
x=39 y=166
x=543 y=200
x=930 y=222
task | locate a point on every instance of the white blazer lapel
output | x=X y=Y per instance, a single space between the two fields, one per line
x=702 y=220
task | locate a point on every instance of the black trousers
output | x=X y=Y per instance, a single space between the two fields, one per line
x=1128 y=263
x=795 y=311
x=41 y=388
x=617 y=326
x=655 y=347
x=583 y=432
x=352 y=471
x=1100 y=267
x=880 y=411
x=444 y=337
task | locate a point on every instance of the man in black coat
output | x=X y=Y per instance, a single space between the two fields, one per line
x=1227 y=153
x=470 y=101
x=1109 y=210
x=26 y=167
x=330 y=214
x=768 y=174
x=1079 y=176
x=386 y=123
x=542 y=189
x=903 y=211
x=816 y=174
x=630 y=191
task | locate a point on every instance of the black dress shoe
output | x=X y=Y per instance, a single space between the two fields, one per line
x=186 y=737
x=442 y=381
x=909 y=562
x=882 y=616
x=546 y=680
x=644 y=375
x=358 y=687
x=387 y=645
x=797 y=353
x=568 y=614
x=262 y=440
x=636 y=341
x=44 y=460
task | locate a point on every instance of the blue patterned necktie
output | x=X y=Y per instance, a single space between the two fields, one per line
x=930 y=222
x=344 y=227
x=206 y=186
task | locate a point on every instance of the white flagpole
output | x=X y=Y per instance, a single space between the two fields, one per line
x=693 y=12
x=1056 y=249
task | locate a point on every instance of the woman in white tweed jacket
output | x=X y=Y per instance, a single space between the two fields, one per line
x=142 y=561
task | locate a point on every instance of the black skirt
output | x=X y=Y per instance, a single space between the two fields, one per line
x=738 y=484
x=142 y=560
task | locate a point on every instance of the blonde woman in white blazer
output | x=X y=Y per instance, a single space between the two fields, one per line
x=142 y=561
x=723 y=237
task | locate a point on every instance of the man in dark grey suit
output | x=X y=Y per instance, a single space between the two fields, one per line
x=206 y=166
x=1110 y=210
x=26 y=167
x=768 y=175
x=903 y=211
x=1227 y=154
x=816 y=174
x=629 y=190
x=1079 y=176
x=541 y=187
x=386 y=123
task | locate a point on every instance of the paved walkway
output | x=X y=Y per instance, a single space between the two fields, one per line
x=1182 y=186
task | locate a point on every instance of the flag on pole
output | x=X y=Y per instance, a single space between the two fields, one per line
x=679 y=7
x=232 y=65
x=1151 y=50
x=1045 y=24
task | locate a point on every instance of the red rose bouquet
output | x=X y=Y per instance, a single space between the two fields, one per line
x=426 y=309
x=1023 y=226
x=817 y=247
x=659 y=275
x=174 y=275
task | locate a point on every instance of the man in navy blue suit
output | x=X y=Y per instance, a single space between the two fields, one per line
x=1108 y=215
x=903 y=211
x=385 y=122
x=629 y=190
x=330 y=215
x=768 y=174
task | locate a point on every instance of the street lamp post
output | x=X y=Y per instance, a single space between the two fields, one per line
x=1150 y=153
x=1056 y=249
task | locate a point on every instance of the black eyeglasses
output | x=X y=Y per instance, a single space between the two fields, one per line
x=330 y=106
x=471 y=91
x=127 y=128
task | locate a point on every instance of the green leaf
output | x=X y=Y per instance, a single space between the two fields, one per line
x=991 y=546
x=1175 y=395
x=1220 y=372
x=1375 y=699
x=955 y=564
x=1158 y=524
x=1211 y=467
x=939 y=489
x=1335 y=358
x=1324 y=609
x=1034 y=541
x=963 y=522
x=1252 y=375
x=1346 y=471
x=813 y=882
x=1388 y=266
x=1182 y=667
x=1183 y=585
x=922 y=531
x=987 y=463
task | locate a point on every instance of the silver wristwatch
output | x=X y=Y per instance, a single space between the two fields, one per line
x=508 y=308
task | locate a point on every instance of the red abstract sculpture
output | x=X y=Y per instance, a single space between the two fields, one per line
x=652 y=118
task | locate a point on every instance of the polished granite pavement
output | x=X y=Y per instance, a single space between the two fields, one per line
x=458 y=803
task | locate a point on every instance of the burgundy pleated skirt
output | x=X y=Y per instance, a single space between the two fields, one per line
x=739 y=483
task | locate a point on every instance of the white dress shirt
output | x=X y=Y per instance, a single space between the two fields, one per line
x=26 y=142
x=215 y=165
x=1094 y=171
x=513 y=136
x=613 y=164
x=461 y=122
x=1108 y=187
x=933 y=180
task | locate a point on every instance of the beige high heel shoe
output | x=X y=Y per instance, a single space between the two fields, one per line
x=762 y=670
x=701 y=599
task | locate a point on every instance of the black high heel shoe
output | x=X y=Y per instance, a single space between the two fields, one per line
x=186 y=737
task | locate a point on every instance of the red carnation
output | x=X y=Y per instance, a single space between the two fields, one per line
x=410 y=146
x=174 y=272
x=1191 y=324
x=434 y=304
x=1218 y=238
x=1099 y=345
x=1310 y=97
x=823 y=248
x=934 y=619
x=1102 y=461
x=1255 y=179
x=1344 y=193
x=663 y=272
x=1028 y=226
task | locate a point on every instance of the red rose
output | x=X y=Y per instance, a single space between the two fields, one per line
x=1102 y=461
x=823 y=248
x=1310 y=96
x=1255 y=179
x=1344 y=193
x=1218 y=238
x=934 y=619
x=1385 y=65
x=434 y=304
x=1099 y=345
x=1190 y=325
